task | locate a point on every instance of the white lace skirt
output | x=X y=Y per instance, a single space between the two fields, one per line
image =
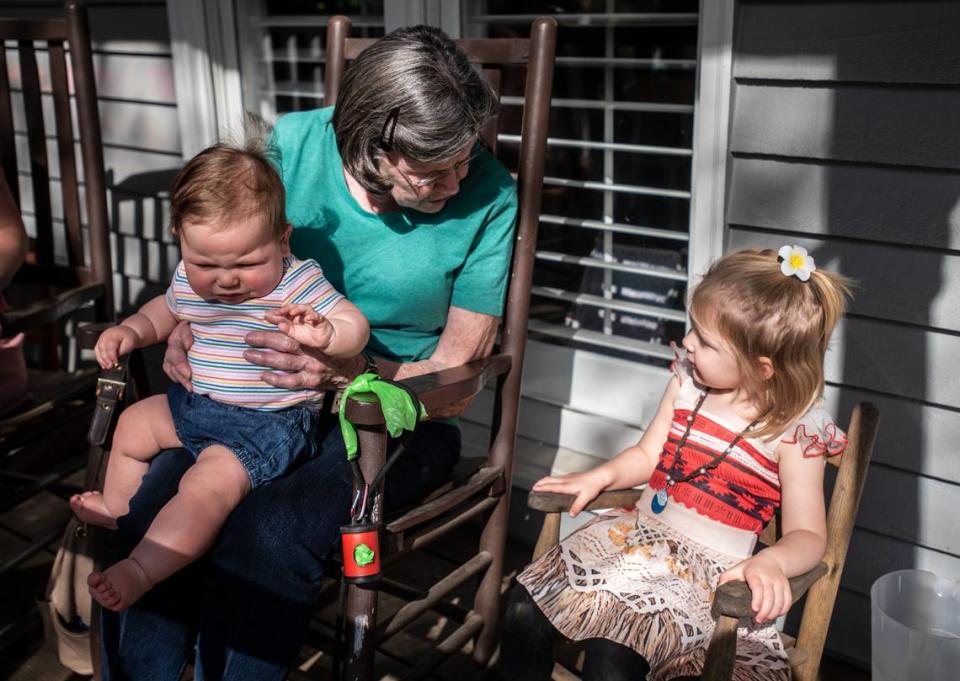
x=630 y=578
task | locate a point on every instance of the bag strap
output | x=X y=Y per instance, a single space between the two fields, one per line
x=111 y=387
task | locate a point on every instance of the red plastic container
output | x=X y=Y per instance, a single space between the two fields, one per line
x=361 y=553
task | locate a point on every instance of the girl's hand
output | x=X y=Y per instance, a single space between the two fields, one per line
x=585 y=486
x=304 y=325
x=768 y=584
x=114 y=342
x=299 y=366
x=175 y=364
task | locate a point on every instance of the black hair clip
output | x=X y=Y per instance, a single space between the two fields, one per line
x=389 y=129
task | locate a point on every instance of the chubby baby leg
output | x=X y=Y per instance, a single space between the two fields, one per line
x=119 y=586
x=182 y=531
x=89 y=507
x=144 y=429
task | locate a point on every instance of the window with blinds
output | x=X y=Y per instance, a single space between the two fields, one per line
x=283 y=49
x=611 y=272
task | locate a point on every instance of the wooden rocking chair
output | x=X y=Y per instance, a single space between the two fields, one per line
x=732 y=600
x=35 y=445
x=486 y=493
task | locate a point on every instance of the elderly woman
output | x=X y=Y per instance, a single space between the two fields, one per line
x=411 y=219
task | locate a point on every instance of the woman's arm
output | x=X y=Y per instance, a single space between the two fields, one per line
x=13 y=236
x=631 y=467
x=466 y=336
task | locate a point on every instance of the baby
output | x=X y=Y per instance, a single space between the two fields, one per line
x=236 y=275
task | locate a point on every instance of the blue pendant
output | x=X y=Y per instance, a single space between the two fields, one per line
x=659 y=501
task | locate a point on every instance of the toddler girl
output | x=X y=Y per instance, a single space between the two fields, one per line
x=236 y=276
x=729 y=444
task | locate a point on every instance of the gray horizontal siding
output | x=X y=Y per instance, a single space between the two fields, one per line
x=914 y=127
x=133 y=26
x=140 y=77
x=843 y=140
x=913 y=286
x=893 y=42
x=896 y=360
x=849 y=632
x=917 y=437
x=896 y=205
x=904 y=506
x=123 y=123
x=878 y=554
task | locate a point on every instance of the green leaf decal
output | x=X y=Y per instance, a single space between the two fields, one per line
x=363 y=555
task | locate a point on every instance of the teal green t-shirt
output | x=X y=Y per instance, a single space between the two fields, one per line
x=403 y=269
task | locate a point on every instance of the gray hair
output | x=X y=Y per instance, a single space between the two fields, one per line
x=413 y=92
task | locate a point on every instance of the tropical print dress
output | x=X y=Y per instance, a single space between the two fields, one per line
x=634 y=577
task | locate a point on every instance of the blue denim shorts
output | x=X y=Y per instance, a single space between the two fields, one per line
x=266 y=443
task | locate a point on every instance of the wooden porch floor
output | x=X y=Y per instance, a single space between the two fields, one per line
x=26 y=657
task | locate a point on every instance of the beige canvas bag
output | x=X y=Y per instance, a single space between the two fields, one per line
x=67 y=604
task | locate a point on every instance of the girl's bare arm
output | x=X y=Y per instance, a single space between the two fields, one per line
x=631 y=467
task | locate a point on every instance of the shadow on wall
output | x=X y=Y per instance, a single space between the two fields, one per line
x=842 y=143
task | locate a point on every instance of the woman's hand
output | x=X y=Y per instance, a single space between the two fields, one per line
x=299 y=367
x=584 y=486
x=175 y=364
x=769 y=586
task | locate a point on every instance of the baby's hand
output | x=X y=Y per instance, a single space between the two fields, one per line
x=304 y=325
x=769 y=587
x=114 y=342
x=584 y=486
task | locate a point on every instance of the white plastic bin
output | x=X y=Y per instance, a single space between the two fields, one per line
x=916 y=627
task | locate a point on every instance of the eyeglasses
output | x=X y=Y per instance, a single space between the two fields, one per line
x=436 y=177
x=386 y=143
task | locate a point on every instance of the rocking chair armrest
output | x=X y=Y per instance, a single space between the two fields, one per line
x=551 y=502
x=733 y=598
x=437 y=389
x=48 y=310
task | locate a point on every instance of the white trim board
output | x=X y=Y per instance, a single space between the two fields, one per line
x=206 y=72
x=711 y=134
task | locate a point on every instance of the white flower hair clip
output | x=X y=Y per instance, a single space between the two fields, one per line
x=794 y=262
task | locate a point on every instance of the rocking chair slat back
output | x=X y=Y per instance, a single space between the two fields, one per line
x=52 y=54
x=536 y=57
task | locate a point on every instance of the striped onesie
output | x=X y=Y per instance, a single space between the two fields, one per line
x=216 y=359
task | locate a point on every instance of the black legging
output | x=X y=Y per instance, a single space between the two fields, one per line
x=526 y=649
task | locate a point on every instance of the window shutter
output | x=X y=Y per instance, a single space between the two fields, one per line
x=283 y=48
x=611 y=273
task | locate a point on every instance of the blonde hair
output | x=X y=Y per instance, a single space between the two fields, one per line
x=227 y=182
x=761 y=312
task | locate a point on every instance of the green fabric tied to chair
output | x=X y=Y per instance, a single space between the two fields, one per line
x=401 y=410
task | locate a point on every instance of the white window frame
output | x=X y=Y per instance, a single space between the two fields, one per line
x=612 y=399
x=206 y=67
x=206 y=71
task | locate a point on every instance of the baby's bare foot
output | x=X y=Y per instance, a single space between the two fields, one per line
x=120 y=585
x=90 y=508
